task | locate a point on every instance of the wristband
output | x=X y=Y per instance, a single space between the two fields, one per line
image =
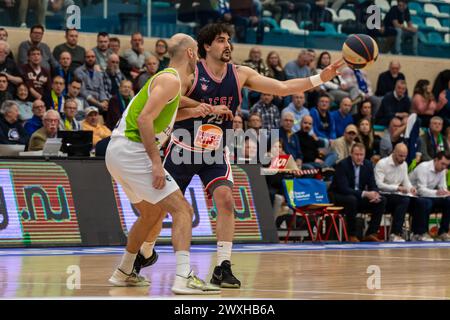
x=316 y=80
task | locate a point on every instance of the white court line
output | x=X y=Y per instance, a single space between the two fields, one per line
x=249 y=289
x=355 y=256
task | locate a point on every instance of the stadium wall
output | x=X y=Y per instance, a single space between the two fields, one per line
x=413 y=67
x=76 y=203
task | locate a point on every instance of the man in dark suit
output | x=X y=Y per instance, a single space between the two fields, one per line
x=355 y=189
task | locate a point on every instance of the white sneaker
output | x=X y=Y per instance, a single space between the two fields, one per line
x=193 y=285
x=121 y=279
x=422 y=237
x=395 y=238
x=444 y=237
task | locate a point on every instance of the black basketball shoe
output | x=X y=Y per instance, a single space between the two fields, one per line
x=223 y=276
x=140 y=261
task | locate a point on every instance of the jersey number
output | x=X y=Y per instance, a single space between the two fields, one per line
x=215 y=118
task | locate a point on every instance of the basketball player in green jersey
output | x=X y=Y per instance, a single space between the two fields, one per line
x=133 y=159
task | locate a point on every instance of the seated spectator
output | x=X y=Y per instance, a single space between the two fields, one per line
x=323 y=125
x=391 y=176
x=256 y=63
x=151 y=68
x=35 y=123
x=367 y=137
x=112 y=77
x=318 y=14
x=423 y=102
x=360 y=80
x=36 y=78
x=433 y=142
x=161 y=48
x=91 y=123
x=49 y=130
x=4 y=93
x=8 y=67
x=114 y=45
x=297 y=10
x=355 y=189
x=92 y=88
x=136 y=55
x=11 y=130
x=393 y=136
x=298 y=109
x=4 y=37
x=268 y=111
x=77 y=52
x=429 y=178
x=276 y=71
x=394 y=104
x=364 y=111
x=23 y=103
x=342 y=117
x=255 y=122
x=118 y=104
x=55 y=98
x=273 y=7
x=298 y=68
x=68 y=121
x=64 y=69
x=238 y=123
x=342 y=146
x=48 y=62
x=244 y=15
x=290 y=141
x=335 y=88
x=394 y=24
x=102 y=51
x=310 y=144
x=388 y=79
x=73 y=92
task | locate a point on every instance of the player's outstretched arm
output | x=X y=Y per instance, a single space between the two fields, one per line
x=166 y=87
x=257 y=82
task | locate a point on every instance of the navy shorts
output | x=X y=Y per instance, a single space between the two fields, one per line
x=212 y=175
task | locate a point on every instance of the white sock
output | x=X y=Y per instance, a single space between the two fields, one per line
x=183 y=263
x=126 y=265
x=147 y=249
x=223 y=251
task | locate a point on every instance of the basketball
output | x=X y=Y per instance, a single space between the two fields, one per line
x=359 y=51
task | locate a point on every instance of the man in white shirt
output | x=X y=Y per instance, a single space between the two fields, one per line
x=391 y=176
x=429 y=178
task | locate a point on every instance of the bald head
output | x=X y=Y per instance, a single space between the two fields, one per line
x=400 y=153
x=394 y=68
x=179 y=43
x=307 y=123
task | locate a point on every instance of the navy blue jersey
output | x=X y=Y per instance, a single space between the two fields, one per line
x=208 y=89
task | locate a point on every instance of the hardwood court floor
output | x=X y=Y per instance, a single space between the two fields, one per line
x=406 y=273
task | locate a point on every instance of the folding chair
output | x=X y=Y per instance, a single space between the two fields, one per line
x=308 y=198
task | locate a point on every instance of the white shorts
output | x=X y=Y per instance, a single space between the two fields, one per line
x=129 y=164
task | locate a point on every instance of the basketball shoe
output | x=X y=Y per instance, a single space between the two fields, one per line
x=223 y=276
x=121 y=279
x=193 y=285
x=141 y=262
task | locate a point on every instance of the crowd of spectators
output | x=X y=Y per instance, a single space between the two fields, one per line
x=88 y=88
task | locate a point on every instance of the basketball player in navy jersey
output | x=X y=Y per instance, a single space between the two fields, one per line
x=217 y=85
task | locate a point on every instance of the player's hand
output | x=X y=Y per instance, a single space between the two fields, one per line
x=159 y=176
x=331 y=71
x=202 y=110
x=224 y=111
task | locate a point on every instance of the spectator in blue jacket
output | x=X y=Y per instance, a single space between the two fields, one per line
x=342 y=117
x=323 y=124
x=291 y=144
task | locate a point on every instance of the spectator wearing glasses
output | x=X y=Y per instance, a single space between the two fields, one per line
x=35 y=123
x=51 y=120
x=161 y=48
x=55 y=98
x=67 y=121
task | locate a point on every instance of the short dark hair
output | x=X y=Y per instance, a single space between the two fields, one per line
x=2 y=75
x=114 y=39
x=3 y=29
x=78 y=80
x=33 y=49
x=208 y=33
x=358 y=145
x=102 y=34
x=70 y=29
x=37 y=26
x=324 y=95
x=442 y=154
